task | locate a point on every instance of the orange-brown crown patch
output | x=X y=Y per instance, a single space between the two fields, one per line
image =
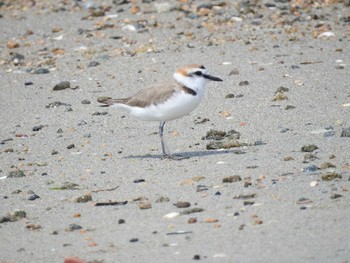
x=186 y=69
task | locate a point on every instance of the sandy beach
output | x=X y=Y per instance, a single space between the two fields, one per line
x=267 y=177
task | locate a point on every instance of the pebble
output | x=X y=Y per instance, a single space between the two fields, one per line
x=28 y=83
x=310 y=169
x=326 y=165
x=84 y=198
x=16 y=174
x=196 y=257
x=313 y=183
x=192 y=220
x=93 y=64
x=73 y=227
x=309 y=148
x=243 y=83
x=121 y=221
x=182 y=204
x=171 y=215
x=41 y=71
x=139 y=181
x=70 y=146
x=56 y=104
x=192 y=210
x=37 y=128
x=345 y=132
x=232 y=179
x=145 y=205
x=33 y=197
x=331 y=176
x=85 y=101
x=133 y=240
x=62 y=86
x=335 y=196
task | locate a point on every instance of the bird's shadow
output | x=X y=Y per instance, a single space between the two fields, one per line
x=186 y=155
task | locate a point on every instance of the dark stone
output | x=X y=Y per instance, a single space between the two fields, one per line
x=41 y=71
x=232 y=179
x=62 y=86
x=309 y=148
x=345 y=132
x=33 y=197
x=38 y=127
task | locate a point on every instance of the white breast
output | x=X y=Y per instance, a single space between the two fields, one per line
x=177 y=106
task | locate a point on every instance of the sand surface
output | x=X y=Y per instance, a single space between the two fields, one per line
x=285 y=67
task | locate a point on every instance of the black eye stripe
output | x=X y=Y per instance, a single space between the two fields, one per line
x=198 y=73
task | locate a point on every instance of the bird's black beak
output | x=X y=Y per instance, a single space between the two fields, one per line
x=211 y=77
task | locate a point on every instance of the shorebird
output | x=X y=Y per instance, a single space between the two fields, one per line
x=169 y=101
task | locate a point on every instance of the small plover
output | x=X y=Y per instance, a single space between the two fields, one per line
x=168 y=101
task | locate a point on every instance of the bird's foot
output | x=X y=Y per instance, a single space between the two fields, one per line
x=174 y=157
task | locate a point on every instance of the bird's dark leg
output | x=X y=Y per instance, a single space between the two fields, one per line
x=165 y=149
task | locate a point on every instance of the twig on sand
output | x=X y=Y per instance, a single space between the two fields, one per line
x=104 y=190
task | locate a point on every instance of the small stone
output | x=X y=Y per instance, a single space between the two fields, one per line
x=33 y=197
x=309 y=157
x=331 y=176
x=73 y=227
x=62 y=86
x=33 y=226
x=37 y=128
x=28 y=83
x=289 y=107
x=244 y=83
x=234 y=72
x=313 y=183
x=9 y=150
x=145 y=205
x=279 y=96
x=85 y=102
x=288 y=158
x=82 y=122
x=121 y=221
x=84 y=198
x=230 y=96
x=11 y=44
x=196 y=257
x=71 y=146
x=93 y=64
x=192 y=220
x=162 y=199
x=335 y=196
x=139 y=181
x=232 y=179
x=326 y=165
x=345 y=132
x=171 y=215
x=248 y=203
x=182 y=204
x=309 y=148
x=16 y=174
x=192 y=210
x=41 y=71
x=56 y=104
x=310 y=169
x=214 y=135
x=211 y=220
x=133 y=240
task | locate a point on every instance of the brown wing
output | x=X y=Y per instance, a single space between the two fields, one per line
x=153 y=95
x=146 y=97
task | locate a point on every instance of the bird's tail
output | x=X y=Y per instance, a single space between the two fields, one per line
x=108 y=101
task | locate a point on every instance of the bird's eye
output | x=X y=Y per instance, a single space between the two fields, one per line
x=198 y=73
